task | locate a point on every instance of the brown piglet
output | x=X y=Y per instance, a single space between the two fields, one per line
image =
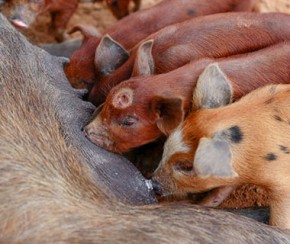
x=213 y=36
x=100 y=57
x=140 y=110
x=245 y=142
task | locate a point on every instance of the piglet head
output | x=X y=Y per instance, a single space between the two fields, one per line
x=97 y=58
x=23 y=13
x=195 y=160
x=132 y=117
x=119 y=126
x=197 y=155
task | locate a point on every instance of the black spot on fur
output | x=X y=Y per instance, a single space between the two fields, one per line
x=277 y=117
x=284 y=149
x=190 y=12
x=269 y=101
x=270 y=157
x=236 y=134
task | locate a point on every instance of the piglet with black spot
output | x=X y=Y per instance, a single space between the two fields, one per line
x=242 y=143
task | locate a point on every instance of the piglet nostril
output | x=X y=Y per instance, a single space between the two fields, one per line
x=86 y=131
x=157 y=188
x=90 y=133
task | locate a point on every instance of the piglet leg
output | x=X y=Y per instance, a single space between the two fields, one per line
x=280 y=209
x=217 y=196
x=60 y=19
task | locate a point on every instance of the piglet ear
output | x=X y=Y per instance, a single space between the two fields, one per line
x=213 y=158
x=212 y=89
x=123 y=98
x=97 y=111
x=169 y=113
x=144 y=63
x=109 y=55
x=87 y=31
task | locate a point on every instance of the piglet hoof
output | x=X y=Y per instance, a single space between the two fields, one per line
x=217 y=196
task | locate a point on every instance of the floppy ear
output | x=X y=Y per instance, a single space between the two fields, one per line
x=144 y=63
x=169 y=113
x=213 y=158
x=212 y=90
x=109 y=55
x=97 y=111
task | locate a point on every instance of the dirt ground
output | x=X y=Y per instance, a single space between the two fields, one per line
x=98 y=16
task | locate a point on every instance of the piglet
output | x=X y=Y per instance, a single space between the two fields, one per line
x=100 y=57
x=246 y=142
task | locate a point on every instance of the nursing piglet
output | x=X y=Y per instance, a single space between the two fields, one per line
x=245 y=142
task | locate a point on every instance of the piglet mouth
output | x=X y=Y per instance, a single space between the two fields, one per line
x=100 y=139
x=160 y=190
x=19 y=23
x=157 y=188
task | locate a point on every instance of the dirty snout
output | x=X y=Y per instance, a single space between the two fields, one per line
x=162 y=184
x=156 y=187
x=98 y=134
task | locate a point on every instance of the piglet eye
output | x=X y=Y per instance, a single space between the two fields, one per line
x=184 y=167
x=127 y=121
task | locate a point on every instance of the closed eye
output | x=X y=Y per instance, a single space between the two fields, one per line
x=184 y=167
x=127 y=121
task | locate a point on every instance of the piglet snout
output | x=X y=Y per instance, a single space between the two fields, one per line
x=157 y=187
x=91 y=134
x=86 y=131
